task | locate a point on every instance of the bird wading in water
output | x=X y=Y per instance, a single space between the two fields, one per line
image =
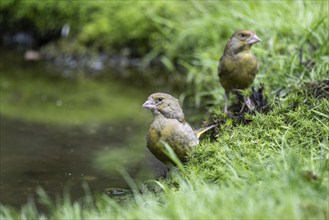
x=169 y=126
x=238 y=66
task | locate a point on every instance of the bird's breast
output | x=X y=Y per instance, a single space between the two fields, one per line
x=179 y=135
x=238 y=71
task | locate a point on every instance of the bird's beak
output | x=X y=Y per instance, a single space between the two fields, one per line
x=149 y=104
x=254 y=39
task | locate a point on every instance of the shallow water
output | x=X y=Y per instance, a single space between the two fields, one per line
x=36 y=151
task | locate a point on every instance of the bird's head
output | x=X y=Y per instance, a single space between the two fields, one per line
x=164 y=104
x=241 y=40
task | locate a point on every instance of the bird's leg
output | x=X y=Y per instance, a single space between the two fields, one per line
x=241 y=100
x=250 y=104
x=227 y=95
x=242 y=108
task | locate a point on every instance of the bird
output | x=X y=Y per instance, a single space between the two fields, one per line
x=238 y=65
x=169 y=127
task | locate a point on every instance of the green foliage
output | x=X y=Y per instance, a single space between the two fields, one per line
x=274 y=167
x=191 y=35
x=38 y=16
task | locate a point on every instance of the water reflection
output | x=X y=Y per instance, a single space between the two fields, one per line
x=39 y=155
x=57 y=131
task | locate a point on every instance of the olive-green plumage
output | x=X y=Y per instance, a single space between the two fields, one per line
x=238 y=66
x=168 y=126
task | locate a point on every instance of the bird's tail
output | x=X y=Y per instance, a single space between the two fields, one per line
x=200 y=131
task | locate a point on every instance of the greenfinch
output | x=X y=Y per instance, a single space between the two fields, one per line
x=168 y=126
x=238 y=66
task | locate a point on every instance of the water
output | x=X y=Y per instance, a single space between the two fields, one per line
x=86 y=138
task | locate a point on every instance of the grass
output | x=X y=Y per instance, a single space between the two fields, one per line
x=188 y=35
x=276 y=166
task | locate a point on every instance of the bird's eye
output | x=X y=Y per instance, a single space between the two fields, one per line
x=160 y=99
x=243 y=35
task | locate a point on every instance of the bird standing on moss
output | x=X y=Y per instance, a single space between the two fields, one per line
x=238 y=66
x=168 y=126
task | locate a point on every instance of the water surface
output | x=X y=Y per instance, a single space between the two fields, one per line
x=58 y=132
